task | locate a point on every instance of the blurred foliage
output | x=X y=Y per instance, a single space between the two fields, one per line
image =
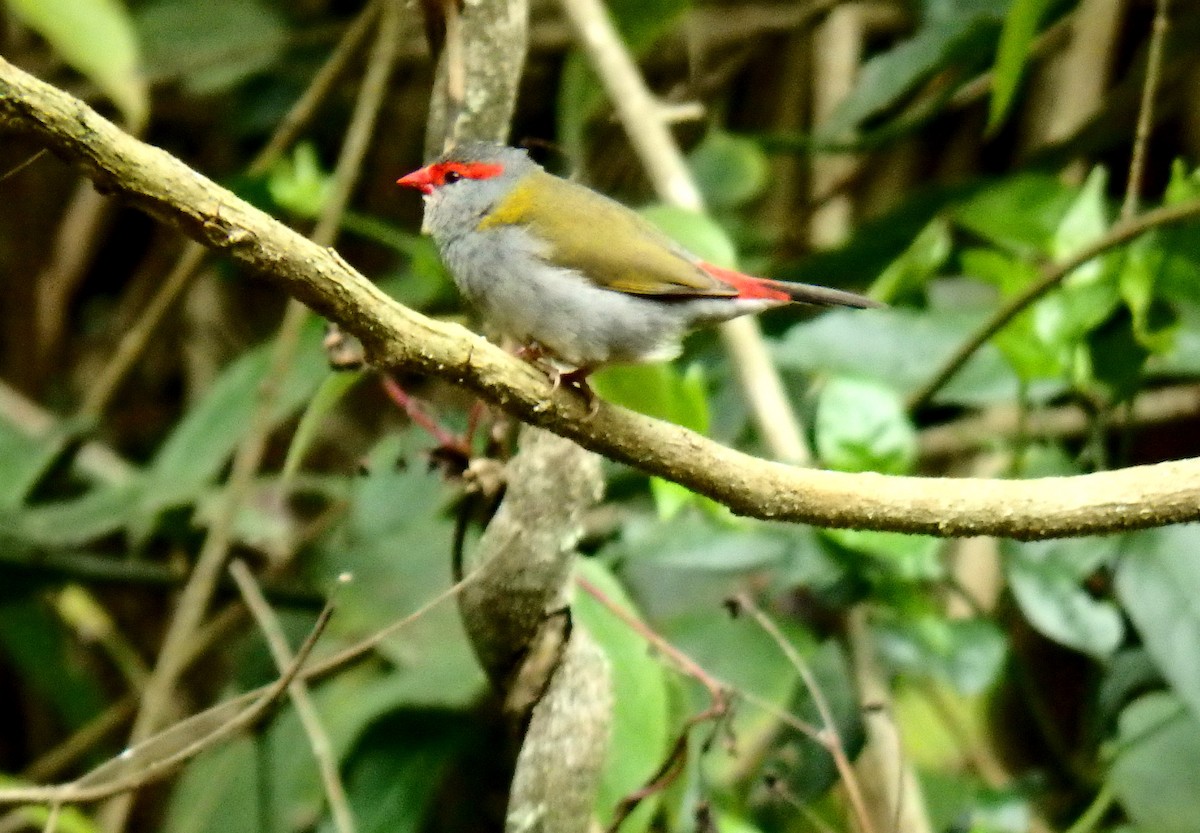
x=1044 y=685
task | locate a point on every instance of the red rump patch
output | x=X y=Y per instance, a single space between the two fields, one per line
x=747 y=287
x=439 y=173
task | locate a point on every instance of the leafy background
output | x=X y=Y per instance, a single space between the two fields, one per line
x=1039 y=686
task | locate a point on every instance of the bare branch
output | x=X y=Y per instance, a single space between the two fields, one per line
x=397 y=337
x=306 y=710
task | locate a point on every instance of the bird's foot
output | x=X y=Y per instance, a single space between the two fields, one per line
x=576 y=380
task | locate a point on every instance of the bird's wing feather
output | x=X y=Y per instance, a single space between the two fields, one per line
x=607 y=242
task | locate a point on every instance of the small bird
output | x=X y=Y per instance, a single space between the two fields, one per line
x=576 y=277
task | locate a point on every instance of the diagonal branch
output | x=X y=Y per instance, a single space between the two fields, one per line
x=397 y=337
x=1120 y=234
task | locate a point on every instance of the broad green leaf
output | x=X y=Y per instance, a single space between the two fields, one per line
x=920 y=262
x=1020 y=213
x=298 y=183
x=862 y=426
x=1046 y=578
x=1158 y=584
x=96 y=37
x=1154 y=770
x=1128 y=673
x=730 y=170
x=203 y=440
x=1184 y=184
x=393 y=786
x=1154 y=322
x=1085 y=221
x=23 y=461
x=658 y=390
x=395 y=542
x=698 y=233
x=907 y=558
x=1019 y=341
x=360 y=711
x=642 y=728
x=39 y=650
x=884 y=80
x=898 y=348
x=212 y=45
x=218 y=791
x=1117 y=358
x=967 y=653
x=1016 y=38
x=330 y=392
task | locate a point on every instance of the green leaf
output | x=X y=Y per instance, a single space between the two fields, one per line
x=907 y=558
x=862 y=426
x=1158 y=584
x=919 y=263
x=298 y=183
x=1020 y=26
x=23 y=461
x=1155 y=323
x=395 y=542
x=1085 y=221
x=392 y=786
x=960 y=32
x=207 y=435
x=39 y=649
x=1022 y=212
x=1046 y=579
x=218 y=792
x=1157 y=758
x=730 y=170
x=897 y=348
x=696 y=543
x=1019 y=341
x=331 y=391
x=642 y=727
x=967 y=653
x=658 y=390
x=212 y=45
x=97 y=38
x=696 y=232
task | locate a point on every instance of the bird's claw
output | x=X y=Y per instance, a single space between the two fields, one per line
x=576 y=380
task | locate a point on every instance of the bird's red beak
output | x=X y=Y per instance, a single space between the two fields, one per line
x=421 y=179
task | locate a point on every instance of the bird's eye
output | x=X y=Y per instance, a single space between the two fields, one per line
x=451 y=176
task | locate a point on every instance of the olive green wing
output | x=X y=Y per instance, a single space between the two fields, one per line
x=603 y=239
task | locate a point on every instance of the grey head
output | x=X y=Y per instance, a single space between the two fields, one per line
x=465 y=183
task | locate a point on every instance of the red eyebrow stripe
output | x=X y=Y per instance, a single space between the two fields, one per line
x=470 y=170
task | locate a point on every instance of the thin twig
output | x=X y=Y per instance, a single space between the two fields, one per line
x=650 y=134
x=306 y=710
x=198 y=591
x=52 y=817
x=717 y=691
x=1052 y=276
x=94 y=786
x=1145 y=122
x=829 y=736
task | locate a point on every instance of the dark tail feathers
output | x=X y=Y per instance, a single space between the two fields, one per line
x=803 y=293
